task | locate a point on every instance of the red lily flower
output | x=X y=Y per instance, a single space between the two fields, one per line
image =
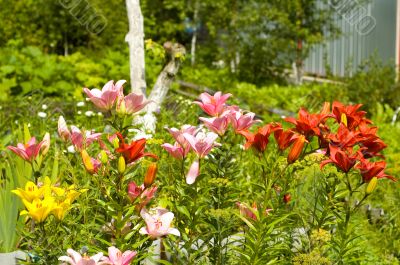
x=283 y=138
x=344 y=138
x=343 y=159
x=366 y=130
x=133 y=151
x=369 y=170
x=353 y=117
x=259 y=140
x=310 y=124
x=371 y=148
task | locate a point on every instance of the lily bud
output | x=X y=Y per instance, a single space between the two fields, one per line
x=371 y=185
x=87 y=162
x=121 y=165
x=296 y=149
x=150 y=175
x=343 y=119
x=115 y=142
x=103 y=157
x=121 y=107
x=46 y=144
x=63 y=131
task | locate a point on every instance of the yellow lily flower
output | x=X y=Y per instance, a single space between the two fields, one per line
x=61 y=209
x=30 y=193
x=39 y=209
x=64 y=205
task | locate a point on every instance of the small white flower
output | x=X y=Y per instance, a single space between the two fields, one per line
x=140 y=134
x=80 y=104
x=79 y=112
x=89 y=113
x=87 y=99
x=71 y=149
x=44 y=107
x=29 y=125
x=42 y=114
x=99 y=114
x=16 y=121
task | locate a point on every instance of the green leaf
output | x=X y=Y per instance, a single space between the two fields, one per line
x=27 y=134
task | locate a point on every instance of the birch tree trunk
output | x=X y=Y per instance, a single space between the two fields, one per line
x=135 y=39
x=193 y=49
x=194 y=36
x=175 y=53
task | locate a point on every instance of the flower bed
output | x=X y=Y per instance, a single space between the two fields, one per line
x=230 y=190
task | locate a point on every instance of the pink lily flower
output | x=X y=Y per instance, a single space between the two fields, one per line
x=213 y=105
x=134 y=191
x=240 y=121
x=178 y=134
x=193 y=173
x=81 y=141
x=201 y=143
x=46 y=144
x=104 y=99
x=63 y=131
x=246 y=211
x=176 y=150
x=75 y=258
x=28 y=151
x=116 y=257
x=216 y=124
x=146 y=194
x=158 y=224
x=131 y=103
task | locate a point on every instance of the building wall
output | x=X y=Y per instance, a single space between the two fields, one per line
x=359 y=38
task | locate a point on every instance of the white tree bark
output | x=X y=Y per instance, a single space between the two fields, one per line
x=194 y=36
x=193 y=48
x=175 y=53
x=135 y=39
x=298 y=72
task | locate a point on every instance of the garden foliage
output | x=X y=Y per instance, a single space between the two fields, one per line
x=225 y=188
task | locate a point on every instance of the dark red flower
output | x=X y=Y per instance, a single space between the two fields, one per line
x=349 y=115
x=133 y=151
x=343 y=159
x=371 y=148
x=259 y=140
x=369 y=141
x=344 y=137
x=283 y=138
x=310 y=124
x=369 y=170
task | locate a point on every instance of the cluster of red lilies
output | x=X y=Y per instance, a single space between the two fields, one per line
x=349 y=140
